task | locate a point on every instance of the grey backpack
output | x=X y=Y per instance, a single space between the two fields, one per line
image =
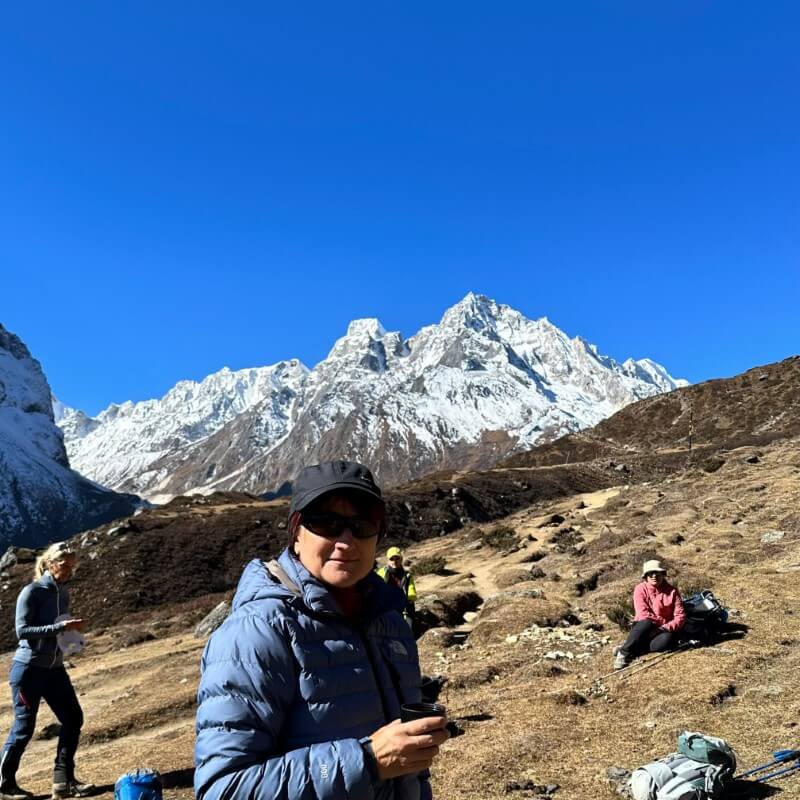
x=699 y=771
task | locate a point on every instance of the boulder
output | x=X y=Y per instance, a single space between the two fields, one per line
x=212 y=620
x=619 y=778
x=9 y=559
x=553 y=519
x=16 y=555
x=445 y=608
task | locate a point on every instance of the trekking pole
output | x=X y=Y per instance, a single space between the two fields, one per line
x=641 y=667
x=620 y=673
x=644 y=664
x=779 y=773
x=778 y=757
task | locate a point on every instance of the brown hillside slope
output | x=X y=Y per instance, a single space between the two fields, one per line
x=190 y=552
x=524 y=685
x=756 y=407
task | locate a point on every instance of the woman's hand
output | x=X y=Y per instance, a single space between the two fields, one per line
x=404 y=747
x=75 y=625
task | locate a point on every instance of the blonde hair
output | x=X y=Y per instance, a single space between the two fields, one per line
x=58 y=551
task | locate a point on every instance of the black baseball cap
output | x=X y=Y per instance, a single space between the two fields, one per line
x=330 y=476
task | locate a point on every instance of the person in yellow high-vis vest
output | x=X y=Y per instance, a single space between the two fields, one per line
x=396 y=574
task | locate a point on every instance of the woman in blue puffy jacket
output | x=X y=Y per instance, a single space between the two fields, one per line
x=302 y=685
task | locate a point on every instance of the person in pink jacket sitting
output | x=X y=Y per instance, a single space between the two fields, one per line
x=659 y=616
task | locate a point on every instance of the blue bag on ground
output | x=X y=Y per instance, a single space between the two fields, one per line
x=138 y=784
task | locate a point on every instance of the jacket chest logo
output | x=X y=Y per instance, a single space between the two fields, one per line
x=398 y=648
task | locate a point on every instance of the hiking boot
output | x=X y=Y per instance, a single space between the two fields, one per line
x=72 y=788
x=620 y=659
x=10 y=791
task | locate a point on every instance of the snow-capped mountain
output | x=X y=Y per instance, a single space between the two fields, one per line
x=482 y=383
x=41 y=498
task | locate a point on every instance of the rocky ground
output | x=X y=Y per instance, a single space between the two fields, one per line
x=190 y=553
x=528 y=669
x=532 y=678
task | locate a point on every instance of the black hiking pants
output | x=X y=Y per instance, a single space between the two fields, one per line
x=29 y=686
x=645 y=637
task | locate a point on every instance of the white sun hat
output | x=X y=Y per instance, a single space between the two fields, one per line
x=652 y=566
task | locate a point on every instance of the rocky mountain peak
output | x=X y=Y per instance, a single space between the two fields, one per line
x=369 y=326
x=366 y=346
x=40 y=497
x=475 y=312
x=484 y=382
x=23 y=386
x=12 y=345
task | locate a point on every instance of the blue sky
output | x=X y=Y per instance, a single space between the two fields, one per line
x=190 y=185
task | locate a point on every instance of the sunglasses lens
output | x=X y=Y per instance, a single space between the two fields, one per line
x=366 y=529
x=331 y=526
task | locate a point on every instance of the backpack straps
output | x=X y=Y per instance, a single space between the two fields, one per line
x=280 y=575
x=693 y=781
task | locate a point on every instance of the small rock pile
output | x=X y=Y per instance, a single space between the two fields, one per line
x=587 y=640
x=534 y=791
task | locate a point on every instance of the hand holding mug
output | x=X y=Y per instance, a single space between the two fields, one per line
x=402 y=748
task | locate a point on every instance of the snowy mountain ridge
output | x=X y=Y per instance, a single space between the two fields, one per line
x=482 y=383
x=41 y=498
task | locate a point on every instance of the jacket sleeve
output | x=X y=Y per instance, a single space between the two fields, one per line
x=678 y=614
x=411 y=592
x=26 y=613
x=642 y=607
x=247 y=686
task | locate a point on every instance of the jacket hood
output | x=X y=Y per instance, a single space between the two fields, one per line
x=258 y=583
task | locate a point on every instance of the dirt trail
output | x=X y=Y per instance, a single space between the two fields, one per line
x=139 y=709
x=475 y=569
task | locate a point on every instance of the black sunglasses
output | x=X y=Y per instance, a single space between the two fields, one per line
x=331 y=526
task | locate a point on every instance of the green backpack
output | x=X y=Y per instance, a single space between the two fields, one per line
x=700 y=770
x=708 y=749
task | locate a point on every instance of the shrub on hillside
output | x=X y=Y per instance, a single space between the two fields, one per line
x=566 y=540
x=537 y=572
x=430 y=565
x=132 y=636
x=616 y=503
x=569 y=697
x=501 y=537
x=621 y=613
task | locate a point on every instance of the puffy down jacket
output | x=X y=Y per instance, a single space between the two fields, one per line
x=290 y=687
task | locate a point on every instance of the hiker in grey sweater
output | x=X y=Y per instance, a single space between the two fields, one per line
x=37 y=673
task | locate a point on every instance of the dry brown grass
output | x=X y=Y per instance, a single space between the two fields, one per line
x=521 y=710
x=741 y=689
